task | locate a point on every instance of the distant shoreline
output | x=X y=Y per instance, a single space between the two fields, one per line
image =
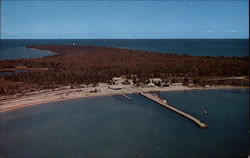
x=42 y=50
x=47 y=97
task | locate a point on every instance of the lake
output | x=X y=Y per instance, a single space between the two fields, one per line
x=112 y=126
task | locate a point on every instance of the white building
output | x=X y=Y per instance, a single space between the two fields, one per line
x=117 y=80
x=176 y=84
x=151 y=85
x=153 y=80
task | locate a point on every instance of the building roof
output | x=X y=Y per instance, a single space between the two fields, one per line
x=116 y=78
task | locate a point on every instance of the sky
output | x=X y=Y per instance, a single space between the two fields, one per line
x=34 y=19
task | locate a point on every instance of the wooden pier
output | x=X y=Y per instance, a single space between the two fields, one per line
x=160 y=101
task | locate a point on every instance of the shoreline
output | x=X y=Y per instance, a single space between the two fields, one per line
x=67 y=94
x=50 y=52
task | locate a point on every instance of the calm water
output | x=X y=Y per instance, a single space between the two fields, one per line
x=6 y=73
x=15 y=49
x=115 y=127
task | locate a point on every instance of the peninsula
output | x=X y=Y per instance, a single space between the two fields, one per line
x=82 y=71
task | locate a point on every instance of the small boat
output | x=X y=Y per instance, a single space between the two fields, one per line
x=205 y=112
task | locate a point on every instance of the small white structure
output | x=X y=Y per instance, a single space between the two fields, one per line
x=207 y=86
x=117 y=80
x=152 y=80
x=73 y=44
x=151 y=85
x=130 y=81
x=176 y=84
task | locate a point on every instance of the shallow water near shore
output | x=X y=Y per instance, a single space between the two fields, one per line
x=112 y=126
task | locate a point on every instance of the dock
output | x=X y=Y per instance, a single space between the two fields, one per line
x=125 y=96
x=121 y=94
x=160 y=101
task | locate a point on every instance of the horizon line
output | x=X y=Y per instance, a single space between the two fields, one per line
x=108 y=38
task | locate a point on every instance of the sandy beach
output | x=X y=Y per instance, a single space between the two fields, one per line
x=40 y=97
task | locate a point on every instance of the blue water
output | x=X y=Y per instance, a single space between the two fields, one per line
x=6 y=73
x=113 y=126
x=15 y=49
